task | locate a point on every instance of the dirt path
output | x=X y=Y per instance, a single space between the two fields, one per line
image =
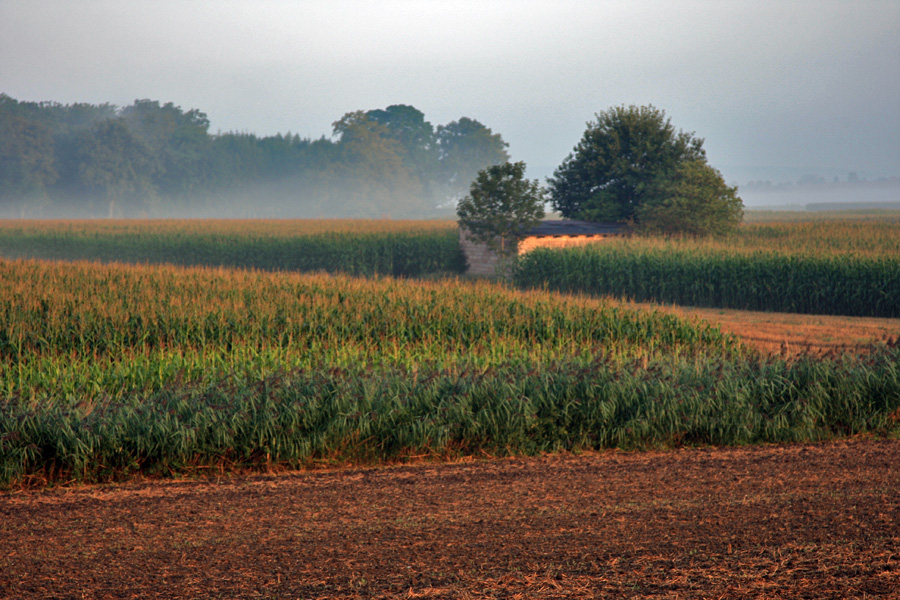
x=788 y=332
x=805 y=521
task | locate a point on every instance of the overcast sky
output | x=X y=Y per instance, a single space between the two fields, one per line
x=799 y=85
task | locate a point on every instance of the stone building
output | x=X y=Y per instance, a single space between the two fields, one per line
x=548 y=234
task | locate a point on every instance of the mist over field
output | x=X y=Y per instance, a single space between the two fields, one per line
x=152 y=159
x=777 y=90
x=267 y=200
x=883 y=195
x=298 y=200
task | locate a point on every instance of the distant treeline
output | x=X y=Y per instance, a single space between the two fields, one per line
x=816 y=183
x=152 y=159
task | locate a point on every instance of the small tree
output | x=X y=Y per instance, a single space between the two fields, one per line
x=501 y=206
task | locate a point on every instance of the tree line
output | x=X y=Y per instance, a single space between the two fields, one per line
x=151 y=159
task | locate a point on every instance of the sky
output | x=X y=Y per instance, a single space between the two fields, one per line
x=776 y=88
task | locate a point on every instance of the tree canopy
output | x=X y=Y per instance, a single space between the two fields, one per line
x=695 y=200
x=416 y=137
x=501 y=206
x=464 y=148
x=631 y=165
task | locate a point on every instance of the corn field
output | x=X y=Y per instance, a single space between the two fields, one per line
x=109 y=370
x=396 y=248
x=863 y=236
x=819 y=267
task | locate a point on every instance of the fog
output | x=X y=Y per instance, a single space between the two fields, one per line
x=777 y=89
x=276 y=199
x=885 y=196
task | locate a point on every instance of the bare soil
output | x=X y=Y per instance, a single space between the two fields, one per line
x=803 y=521
x=789 y=333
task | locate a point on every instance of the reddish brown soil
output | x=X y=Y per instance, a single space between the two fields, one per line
x=789 y=333
x=804 y=521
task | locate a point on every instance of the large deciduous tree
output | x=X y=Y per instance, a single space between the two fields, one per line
x=407 y=125
x=631 y=165
x=501 y=206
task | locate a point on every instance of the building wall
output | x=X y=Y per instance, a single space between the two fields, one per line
x=483 y=261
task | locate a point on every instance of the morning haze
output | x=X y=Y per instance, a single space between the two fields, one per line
x=779 y=91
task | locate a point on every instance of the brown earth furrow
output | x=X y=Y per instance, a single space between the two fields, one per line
x=790 y=333
x=804 y=521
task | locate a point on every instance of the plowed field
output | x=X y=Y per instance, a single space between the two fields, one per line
x=806 y=521
x=789 y=333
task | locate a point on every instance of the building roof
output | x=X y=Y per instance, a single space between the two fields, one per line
x=566 y=227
